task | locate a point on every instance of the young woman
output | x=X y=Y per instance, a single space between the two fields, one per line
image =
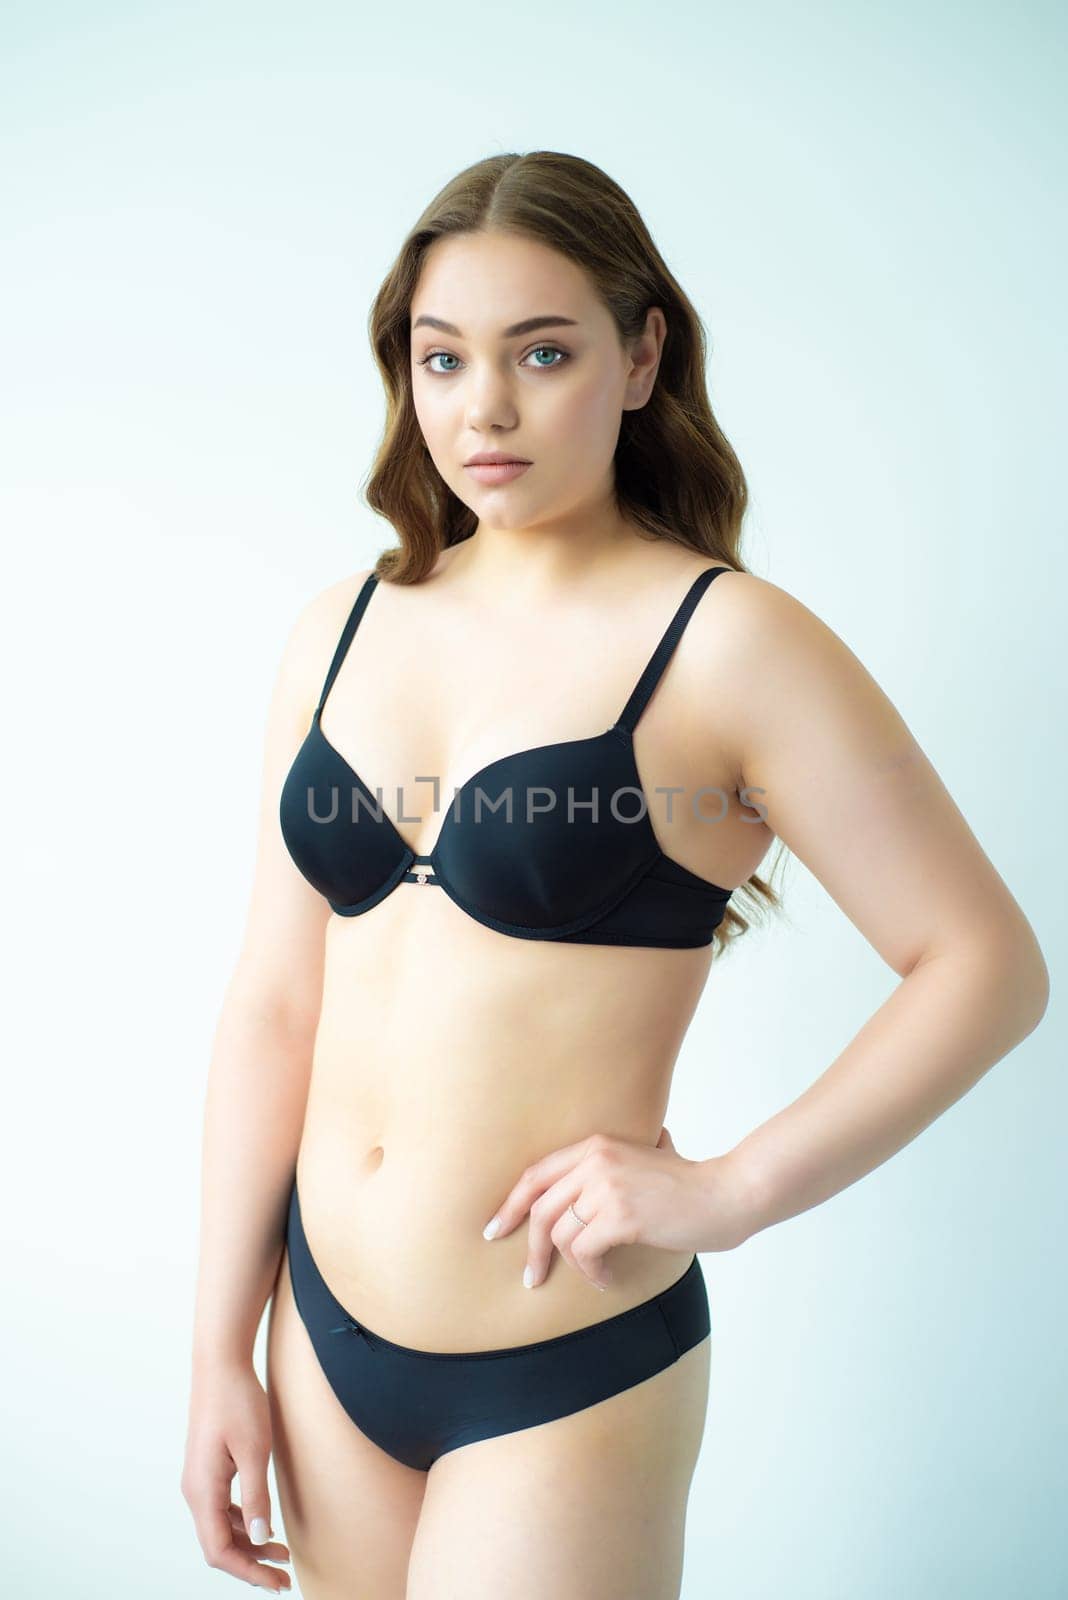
x=519 y=778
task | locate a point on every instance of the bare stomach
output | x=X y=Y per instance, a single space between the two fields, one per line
x=448 y=1058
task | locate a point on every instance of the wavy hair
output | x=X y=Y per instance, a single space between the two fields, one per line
x=676 y=475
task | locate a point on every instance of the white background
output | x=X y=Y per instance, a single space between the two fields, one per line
x=198 y=206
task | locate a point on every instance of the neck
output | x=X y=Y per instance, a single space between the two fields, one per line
x=540 y=561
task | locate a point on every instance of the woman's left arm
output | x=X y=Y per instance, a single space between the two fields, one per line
x=812 y=739
x=846 y=787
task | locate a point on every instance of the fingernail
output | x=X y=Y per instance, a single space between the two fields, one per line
x=258 y=1530
x=528 y=1277
x=491 y=1229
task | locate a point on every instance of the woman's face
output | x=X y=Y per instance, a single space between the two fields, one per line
x=552 y=394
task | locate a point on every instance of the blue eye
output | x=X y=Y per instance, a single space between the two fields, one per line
x=539 y=349
x=552 y=350
x=433 y=357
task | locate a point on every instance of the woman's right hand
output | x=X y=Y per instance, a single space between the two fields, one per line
x=230 y=1431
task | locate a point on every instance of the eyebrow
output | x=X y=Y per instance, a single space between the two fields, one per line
x=528 y=325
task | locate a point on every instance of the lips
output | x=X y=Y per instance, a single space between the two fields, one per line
x=495 y=458
x=497 y=471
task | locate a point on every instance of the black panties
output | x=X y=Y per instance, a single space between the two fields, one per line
x=417 y=1404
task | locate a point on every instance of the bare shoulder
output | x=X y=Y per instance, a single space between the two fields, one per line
x=787 y=674
x=748 y=605
x=314 y=634
x=329 y=605
x=842 y=781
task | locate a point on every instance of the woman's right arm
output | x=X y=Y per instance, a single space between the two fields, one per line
x=253 y=1118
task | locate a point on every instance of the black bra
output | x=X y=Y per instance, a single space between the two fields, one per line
x=550 y=843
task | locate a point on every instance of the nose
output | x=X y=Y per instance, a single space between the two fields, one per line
x=489 y=402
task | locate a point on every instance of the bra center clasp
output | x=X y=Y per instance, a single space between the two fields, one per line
x=422 y=870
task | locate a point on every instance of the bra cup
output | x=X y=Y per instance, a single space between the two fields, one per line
x=552 y=863
x=549 y=843
x=352 y=863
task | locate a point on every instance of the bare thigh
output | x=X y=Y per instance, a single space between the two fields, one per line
x=587 y=1507
x=349 y=1509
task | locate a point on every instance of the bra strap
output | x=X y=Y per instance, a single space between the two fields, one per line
x=660 y=657
x=351 y=624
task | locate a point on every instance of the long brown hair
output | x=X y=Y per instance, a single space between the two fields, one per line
x=676 y=475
